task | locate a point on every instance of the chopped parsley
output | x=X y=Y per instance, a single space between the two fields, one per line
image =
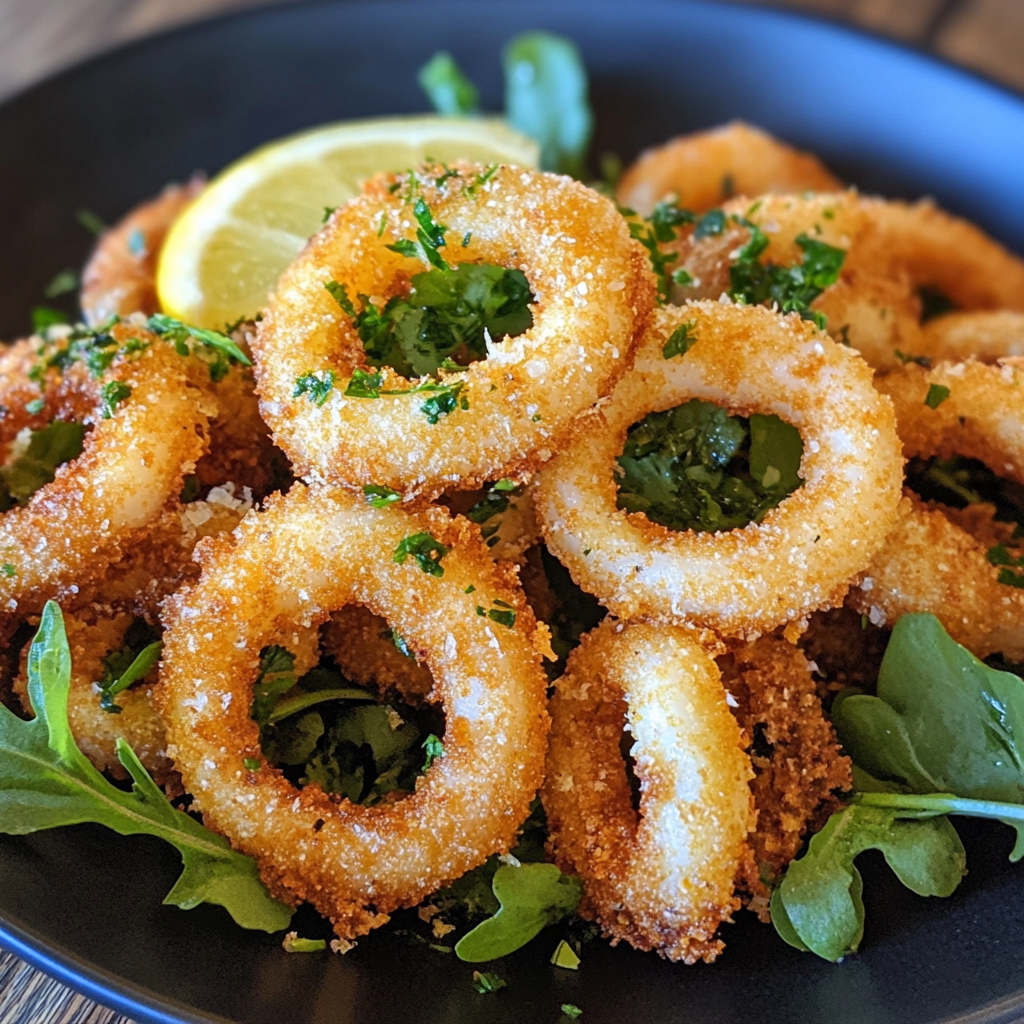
x=710 y=223
x=447 y=315
x=8 y=570
x=488 y=981
x=35 y=407
x=380 y=497
x=655 y=231
x=570 y=1010
x=63 y=283
x=792 y=289
x=91 y=222
x=680 y=341
x=112 y=394
x=917 y=360
x=433 y=748
x=425 y=550
x=138 y=655
x=695 y=467
x=44 y=317
x=502 y=613
x=445 y=397
x=96 y=347
x=47 y=449
x=315 y=385
x=999 y=555
x=937 y=394
x=223 y=350
x=429 y=236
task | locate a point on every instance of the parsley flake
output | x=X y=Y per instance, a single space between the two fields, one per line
x=937 y=394
x=8 y=570
x=316 y=386
x=62 y=283
x=426 y=550
x=433 y=748
x=112 y=394
x=379 y=496
x=44 y=317
x=680 y=341
x=448 y=89
x=571 y=1011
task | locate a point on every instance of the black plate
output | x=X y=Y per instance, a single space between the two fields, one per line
x=83 y=903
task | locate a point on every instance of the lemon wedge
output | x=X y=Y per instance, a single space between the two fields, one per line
x=225 y=253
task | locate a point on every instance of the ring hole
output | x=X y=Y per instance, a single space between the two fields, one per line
x=625 y=748
x=696 y=467
x=358 y=722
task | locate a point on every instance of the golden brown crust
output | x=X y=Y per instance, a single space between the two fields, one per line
x=704 y=169
x=285 y=570
x=804 y=553
x=591 y=284
x=663 y=878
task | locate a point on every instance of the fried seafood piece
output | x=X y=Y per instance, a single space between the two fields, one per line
x=120 y=277
x=663 y=877
x=141 y=425
x=805 y=552
x=497 y=417
x=932 y=564
x=986 y=336
x=306 y=555
x=797 y=764
x=968 y=409
x=874 y=309
x=704 y=169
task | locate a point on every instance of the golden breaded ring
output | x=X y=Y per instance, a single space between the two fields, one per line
x=132 y=464
x=931 y=564
x=120 y=277
x=704 y=169
x=591 y=284
x=804 y=553
x=873 y=308
x=662 y=879
x=944 y=252
x=288 y=568
x=982 y=336
x=982 y=417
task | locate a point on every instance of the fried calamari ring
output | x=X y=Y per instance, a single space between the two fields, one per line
x=707 y=168
x=986 y=337
x=147 y=431
x=120 y=277
x=591 y=285
x=944 y=253
x=804 y=553
x=795 y=755
x=932 y=564
x=314 y=551
x=965 y=409
x=874 y=308
x=663 y=879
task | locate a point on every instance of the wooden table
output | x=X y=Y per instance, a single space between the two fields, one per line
x=38 y=37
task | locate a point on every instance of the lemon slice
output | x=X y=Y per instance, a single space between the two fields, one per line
x=226 y=251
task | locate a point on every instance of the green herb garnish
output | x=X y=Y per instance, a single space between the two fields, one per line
x=112 y=394
x=433 y=748
x=64 y=282
x=695 y=467
x=680 y=341
x=937 y=394
x=426 y=551
x=48 y=782
x=91 y=222
x=138 y=655
x=47 y=449
x=315 y=385
x=448 y=89
x=487 y=981
x=44 y=317
x=380 y=497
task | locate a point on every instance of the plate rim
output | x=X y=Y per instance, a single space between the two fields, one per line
x=143 y=1005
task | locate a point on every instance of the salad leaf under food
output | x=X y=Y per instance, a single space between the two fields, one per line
x=46 y=781
x=944 y=735
x=695 y=467
x=36 y=466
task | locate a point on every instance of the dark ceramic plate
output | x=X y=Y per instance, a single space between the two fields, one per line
x=85 y=904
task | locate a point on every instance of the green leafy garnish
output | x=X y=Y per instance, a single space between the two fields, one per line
x=680 y=341
x=487 y=981
x=937 y=394
x=1000 y=555
x=138 y=655
x=276 y=677
x=502 y=613
x=64 y=282
x=315 y=385
x=433 y=748
x=944 y=735
x=571 y=1011
x=92 y=223
x=546 y=98
x=710 y=223
x=532 y=896
x=691 y=467
x=8 y=570
x=792 y=289
x=429 y=234
x=427 y=551
x=47 y=782
x=180 y=333
x=448 y=89
x=655 y=231
x=44 y=317
x=47 y=449
x=445 y=398
x=296 y=944
x=112 y=394
x=379 y=496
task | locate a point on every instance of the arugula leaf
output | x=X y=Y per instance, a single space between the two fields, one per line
x=546 y=98
x=695 y=467
x=47 y=449
x=138 y=667
x=818 y=905
x=293 y=742
x=276 y=678
x=792 y=289
x=532 y=896
x=448 y=89
x=942 y=722
x=46 y=781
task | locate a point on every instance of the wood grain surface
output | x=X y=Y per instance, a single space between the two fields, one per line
x=38 y=37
